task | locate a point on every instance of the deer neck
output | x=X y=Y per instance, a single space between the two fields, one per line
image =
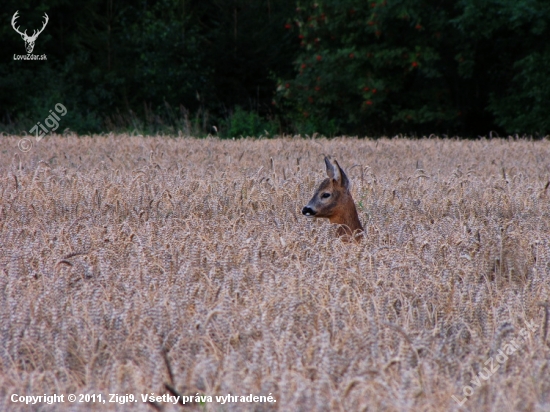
x=349 y=221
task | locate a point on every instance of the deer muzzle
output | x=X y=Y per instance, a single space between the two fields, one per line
x=308 y=211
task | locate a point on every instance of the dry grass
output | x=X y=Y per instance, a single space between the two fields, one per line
x=114 y=249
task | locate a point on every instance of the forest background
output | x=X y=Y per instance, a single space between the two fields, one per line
x=266 y=67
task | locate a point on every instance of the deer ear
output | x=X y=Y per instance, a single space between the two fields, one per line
x=344 y=181
x=333 y=171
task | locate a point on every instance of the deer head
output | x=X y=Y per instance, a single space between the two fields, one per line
x=29 y=40
x=332 y=200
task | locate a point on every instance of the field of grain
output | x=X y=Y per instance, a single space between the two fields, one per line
x=128 y=263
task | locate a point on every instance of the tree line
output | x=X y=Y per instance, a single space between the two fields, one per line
x=264 y=67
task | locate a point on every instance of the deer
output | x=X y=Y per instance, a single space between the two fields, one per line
x=29 y=40
x=333 y=200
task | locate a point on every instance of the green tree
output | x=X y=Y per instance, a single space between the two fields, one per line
x=506 y=59
x=331 y=66
x=422 y=66
x=122 y=63
x=371 y=66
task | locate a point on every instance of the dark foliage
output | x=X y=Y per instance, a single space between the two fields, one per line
x=246 y=67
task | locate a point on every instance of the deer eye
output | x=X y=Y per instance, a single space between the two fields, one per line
x=325 y=195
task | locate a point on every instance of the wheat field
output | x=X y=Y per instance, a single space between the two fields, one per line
x=128 y=263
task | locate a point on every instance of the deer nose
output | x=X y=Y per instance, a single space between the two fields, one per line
x=308 y=211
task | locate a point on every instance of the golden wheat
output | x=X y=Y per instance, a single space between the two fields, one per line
x=129 y=262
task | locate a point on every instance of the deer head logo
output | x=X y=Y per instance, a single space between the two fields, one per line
x=29 y=40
